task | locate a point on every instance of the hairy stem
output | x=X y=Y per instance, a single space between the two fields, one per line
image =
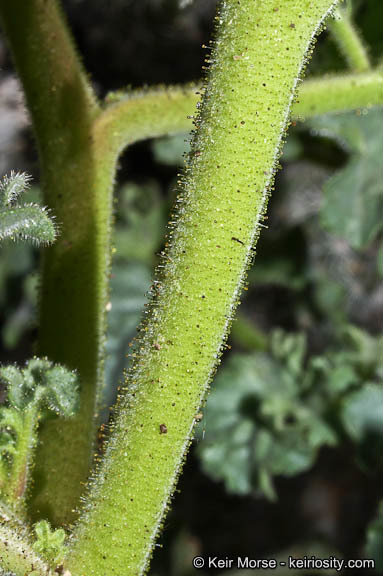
x=257 y=59
x=349 y=41
x=22 y=458
x=159 y=112
x=147 y=114
x=339 y=94
x=74 y=277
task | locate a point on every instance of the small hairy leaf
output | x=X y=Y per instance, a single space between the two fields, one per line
x=12 y=186
x=27 y=222
x=41 y=382
x=362 y=412
x=23 y=222
x=49 y=543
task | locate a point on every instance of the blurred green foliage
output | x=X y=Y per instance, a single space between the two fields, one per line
x=49 y=543
x=352 y=204
x=270 y=413
x=374 y=545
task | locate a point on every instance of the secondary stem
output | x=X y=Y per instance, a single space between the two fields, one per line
x=349 y=41
x=257 y=59
x=160 y=112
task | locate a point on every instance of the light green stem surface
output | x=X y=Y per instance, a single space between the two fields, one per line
x=258 y=57
x=349 y=41
x=159 y=112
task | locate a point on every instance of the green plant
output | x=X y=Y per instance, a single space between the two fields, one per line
x=210 y=240
x=26 y=221
x=282 y=411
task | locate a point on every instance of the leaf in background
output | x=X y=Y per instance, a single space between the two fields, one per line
x=141 y=223
x=129 y=285
x=374 y=545
x=49 y=542
x=362 y=412
x=353 y=198
x=171 y=151
x=257 y=426
x=139 y=232
x=270 y=413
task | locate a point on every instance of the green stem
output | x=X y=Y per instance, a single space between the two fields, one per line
x=159 y=112
x=74 y=277
x=22 y=459
x=17 y=555
x=147 y=114
x=349 y=41
x=257 y=59
x=247 y=335
x=339 y=94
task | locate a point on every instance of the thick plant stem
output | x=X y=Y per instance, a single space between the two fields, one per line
x=259 y=54
x=159 y=112
x=74 y=278
x=349 y=41
x=17 y=555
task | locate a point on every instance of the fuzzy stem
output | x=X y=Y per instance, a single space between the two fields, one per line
x=17 y=555
x=77 y=187
x=349 y=41
x=160 y=112
x=140 y=115
x=333 y=94
x=257 y=59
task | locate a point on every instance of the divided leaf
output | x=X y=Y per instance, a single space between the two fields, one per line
x=50 y=543
x=270 y=413
x=42 y=383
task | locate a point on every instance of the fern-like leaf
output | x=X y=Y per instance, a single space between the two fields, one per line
x=40 y=386
x=50 y=543
x=29 y=222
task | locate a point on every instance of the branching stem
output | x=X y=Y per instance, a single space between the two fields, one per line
x=79 y=143
x=159 y=112
x=349 y=41
x=243 y=118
